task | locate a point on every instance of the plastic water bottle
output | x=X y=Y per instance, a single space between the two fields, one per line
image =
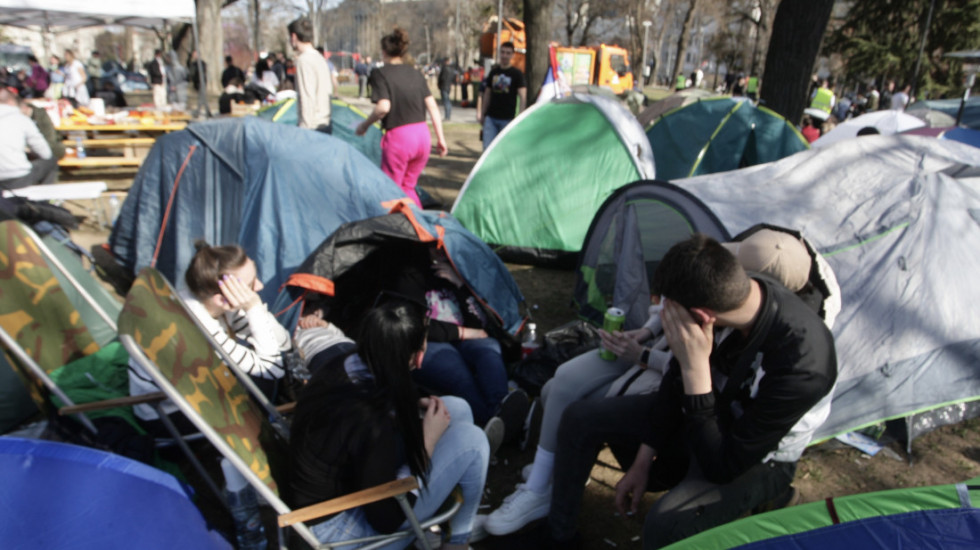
x=113 y=209
x=244 y=507
x=530 y=340
x=79 y=148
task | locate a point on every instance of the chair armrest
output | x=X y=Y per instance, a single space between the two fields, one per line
x=346 y=502
x=112 y=403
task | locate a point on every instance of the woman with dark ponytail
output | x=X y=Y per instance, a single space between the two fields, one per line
x=222 y=293
x=402 y=97
x=369 y=426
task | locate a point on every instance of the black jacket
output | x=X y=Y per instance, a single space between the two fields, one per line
x=775 y=375
x=344 y=439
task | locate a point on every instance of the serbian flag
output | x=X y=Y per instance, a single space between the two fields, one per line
x=554 y=82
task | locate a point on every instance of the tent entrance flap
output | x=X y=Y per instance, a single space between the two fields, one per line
x=629 y=235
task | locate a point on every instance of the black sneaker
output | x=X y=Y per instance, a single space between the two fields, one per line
x=532 y=425
x=513 y=410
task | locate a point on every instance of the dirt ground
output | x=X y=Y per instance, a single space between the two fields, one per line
x=947 y=455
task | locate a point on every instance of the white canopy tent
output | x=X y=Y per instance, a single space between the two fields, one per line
x=63 y=15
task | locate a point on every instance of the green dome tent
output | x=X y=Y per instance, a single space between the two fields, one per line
x=344 y=118
x=719 y=134
x=535 y=189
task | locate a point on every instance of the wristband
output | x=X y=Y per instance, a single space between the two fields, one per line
x=645 y=357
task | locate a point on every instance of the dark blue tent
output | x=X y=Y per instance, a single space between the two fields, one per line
x=276 y=190
x=56 y=495
x=348 y=264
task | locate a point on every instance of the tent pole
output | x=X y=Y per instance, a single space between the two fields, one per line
x=202 y=90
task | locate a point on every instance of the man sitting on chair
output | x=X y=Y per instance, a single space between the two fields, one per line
x=20 y=133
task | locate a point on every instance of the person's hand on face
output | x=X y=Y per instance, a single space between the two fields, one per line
x=236 y=292
x=690 y=334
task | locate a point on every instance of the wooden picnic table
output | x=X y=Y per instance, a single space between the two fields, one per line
x=136 y=127
x=118 y=137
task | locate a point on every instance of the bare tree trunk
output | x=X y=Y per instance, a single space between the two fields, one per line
x=797 y=33
x=538 y=27
x=255 y=10
x=683 y=40
x=211 y=40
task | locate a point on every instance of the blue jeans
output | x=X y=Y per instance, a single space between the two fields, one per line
x=460 y=458
x=471 y=369
x=492 y=127
x=447 y=102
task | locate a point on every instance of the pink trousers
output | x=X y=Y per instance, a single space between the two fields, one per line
x=404 y=152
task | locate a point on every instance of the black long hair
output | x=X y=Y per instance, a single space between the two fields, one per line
x=390 y=335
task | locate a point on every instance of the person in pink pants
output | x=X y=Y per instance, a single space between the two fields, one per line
x=402 y=97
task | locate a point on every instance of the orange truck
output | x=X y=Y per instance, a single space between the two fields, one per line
x=603 y=65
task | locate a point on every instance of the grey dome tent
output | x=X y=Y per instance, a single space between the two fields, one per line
x=898 y=220
x=534 y=190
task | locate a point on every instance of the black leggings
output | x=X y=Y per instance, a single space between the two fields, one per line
x=692 y=504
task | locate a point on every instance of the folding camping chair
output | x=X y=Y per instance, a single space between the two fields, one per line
x=41 y=330
x=158 y=333
x=273 y=414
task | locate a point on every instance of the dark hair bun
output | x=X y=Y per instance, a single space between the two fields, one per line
x=200 y=245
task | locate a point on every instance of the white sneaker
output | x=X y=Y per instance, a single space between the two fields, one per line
x=479 y=531
x=519 y=509
x=495 y=434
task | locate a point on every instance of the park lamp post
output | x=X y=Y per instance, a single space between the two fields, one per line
x=500 y=24
x=645 y=72
x=971 y=65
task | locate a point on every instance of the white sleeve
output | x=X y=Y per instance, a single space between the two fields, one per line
x=653 y=322
x=264 y=341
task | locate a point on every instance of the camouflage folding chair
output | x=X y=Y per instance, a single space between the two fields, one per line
x=41 y=329
x=162 y=337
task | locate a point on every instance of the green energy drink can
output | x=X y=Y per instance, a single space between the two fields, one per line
x=612 y=322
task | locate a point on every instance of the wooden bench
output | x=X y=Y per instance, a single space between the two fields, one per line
x=132 y=148
x=99 y=162
x=112 y=142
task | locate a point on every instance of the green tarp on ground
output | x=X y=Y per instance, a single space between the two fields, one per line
x=717 y=135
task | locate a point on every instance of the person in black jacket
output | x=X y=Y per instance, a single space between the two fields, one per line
x=361 y=423
x=230 y=72
x=723 y=433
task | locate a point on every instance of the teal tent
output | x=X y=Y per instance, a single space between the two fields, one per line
x=535 y=189
x=719 y=134
x=344 y=118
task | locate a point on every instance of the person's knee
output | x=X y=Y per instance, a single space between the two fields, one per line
x=459 y=410
x=664 y=525
x=576 y=428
